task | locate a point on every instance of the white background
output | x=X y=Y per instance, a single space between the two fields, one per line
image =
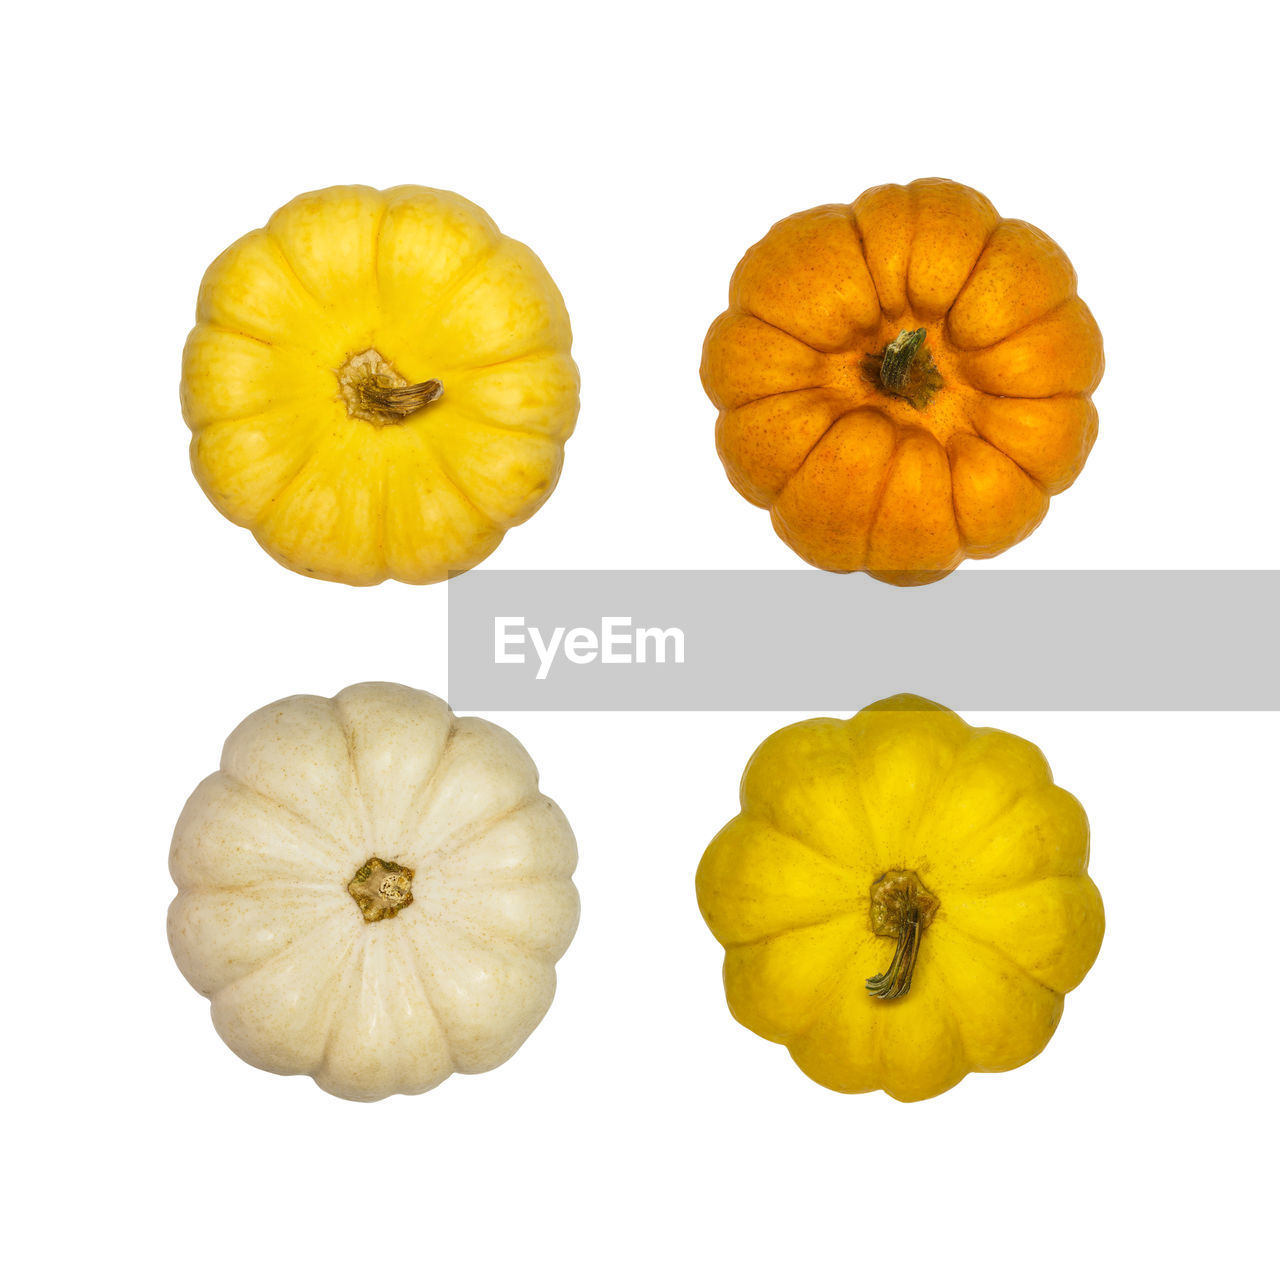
x=639 y=151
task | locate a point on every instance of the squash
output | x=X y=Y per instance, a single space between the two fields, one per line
x=904 y=381
x=378 y=384
x=903 y=899
x=372 y=892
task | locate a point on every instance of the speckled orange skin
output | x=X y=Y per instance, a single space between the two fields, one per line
x=856 y=478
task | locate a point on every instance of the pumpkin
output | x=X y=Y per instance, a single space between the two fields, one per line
x=378 y=384
x=904 y=381
x=903 y=899
x=372 y=892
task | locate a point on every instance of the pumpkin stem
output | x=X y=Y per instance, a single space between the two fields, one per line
x=902 y=908
x=381 y=889
x=375 y=391
x=905 y=368
x=402 y=401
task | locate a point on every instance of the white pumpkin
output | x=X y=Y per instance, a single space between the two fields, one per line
x=372 y=892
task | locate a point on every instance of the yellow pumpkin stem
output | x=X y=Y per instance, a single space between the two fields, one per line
x=375 y=391
x=905 y=368
x=402 y=401
x=381 y=889
x=902 y=908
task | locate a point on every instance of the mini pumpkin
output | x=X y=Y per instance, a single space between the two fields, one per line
x=902 y=900
x=372 y=892
x=379 y=384
x=905 y=381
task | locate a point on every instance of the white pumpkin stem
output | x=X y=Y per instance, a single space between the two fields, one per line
x=381 y=889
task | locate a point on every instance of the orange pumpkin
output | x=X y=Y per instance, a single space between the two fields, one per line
x=904 y=381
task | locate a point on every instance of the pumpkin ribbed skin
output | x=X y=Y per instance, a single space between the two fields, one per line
x=266 y=926
x=856 y=478
x=829 y=807
x=426 y=282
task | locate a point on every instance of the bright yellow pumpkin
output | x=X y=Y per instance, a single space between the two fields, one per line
x=902 y=900
x=379 y=384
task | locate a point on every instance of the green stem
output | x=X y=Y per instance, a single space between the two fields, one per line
x=905 y=368
x=899 y=356
x=895 y=981
x=902 y=908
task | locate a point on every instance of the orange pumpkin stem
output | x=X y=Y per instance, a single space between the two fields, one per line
x=905 y=368
x=902 y=908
